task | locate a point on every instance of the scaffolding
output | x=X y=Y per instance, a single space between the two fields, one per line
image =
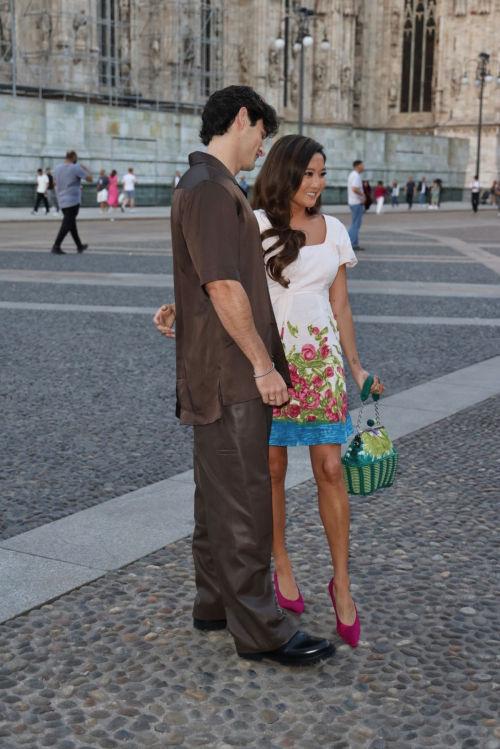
x=166 y=55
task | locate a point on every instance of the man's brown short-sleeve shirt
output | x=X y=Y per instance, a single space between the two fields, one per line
x=216 y=237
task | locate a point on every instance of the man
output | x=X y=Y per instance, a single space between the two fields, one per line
x=244 y=185
x=51 y=189
x=102 y=190
x=177 y=179
x=230 y=370
x=410 y=192
x=475 y=192
x=356 y=199
x=422 y=191
x=129 y=182
x=42 y=185
x=69 y=194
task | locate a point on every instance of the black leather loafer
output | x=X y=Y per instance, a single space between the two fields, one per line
x=301 y=650
x=82 y=248
x=57 y=251
x=209 y=625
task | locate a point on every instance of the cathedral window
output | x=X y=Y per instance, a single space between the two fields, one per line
x=211 y=37
x=106 y=10
x=419 y=39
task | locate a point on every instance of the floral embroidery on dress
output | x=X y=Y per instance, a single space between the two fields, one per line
x=318 y=392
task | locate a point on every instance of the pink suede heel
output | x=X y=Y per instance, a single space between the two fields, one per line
x=348 y=632
x=296 y=607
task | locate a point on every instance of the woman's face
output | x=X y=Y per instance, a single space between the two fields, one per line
x=313 y=183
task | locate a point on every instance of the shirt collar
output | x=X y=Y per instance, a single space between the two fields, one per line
x=199 y=157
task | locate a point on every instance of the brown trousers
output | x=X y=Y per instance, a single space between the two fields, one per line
x=234 y=526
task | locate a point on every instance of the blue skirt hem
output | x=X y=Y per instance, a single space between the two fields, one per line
x=291 y=434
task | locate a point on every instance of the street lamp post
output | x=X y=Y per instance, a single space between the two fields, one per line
x=483 y=75
x=301 y=17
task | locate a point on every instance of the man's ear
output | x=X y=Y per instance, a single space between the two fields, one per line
x=242 y=117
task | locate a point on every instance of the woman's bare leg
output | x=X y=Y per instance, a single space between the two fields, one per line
x=278 y=461
x=335 y=514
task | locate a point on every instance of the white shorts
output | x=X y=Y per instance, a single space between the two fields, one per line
x=102 y=196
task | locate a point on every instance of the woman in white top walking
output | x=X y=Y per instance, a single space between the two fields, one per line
x=306 y=255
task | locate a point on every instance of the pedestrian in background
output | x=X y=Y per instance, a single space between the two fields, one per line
x=129 y=182
x=67 y=183
x=356 y=199
x=380 y=193
x=395 y=194
x=51 y=189
x=113 y=190
x=422 y=192
x=410 y=192
x=497 y=195
x=493 y=193
x=368 y=194
x=177 y=179
x=475 y=192
x=435 y=195
x=102 y=191
x=42 y=185
x=244 y=185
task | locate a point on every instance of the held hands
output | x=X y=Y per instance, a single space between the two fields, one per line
x=272 y=388
x=378 y=387
x=165 y=319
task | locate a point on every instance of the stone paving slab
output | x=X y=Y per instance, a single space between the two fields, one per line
x=28 y=580
x=376 y=319
x=118 y=664
x=426 y=272
x=361 y=303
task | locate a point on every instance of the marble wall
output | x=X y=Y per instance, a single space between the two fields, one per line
x=37 y=133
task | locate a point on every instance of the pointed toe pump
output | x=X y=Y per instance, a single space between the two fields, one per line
x=296 y=607
x=348 y=632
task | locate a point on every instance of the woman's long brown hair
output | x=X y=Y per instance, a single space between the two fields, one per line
x=277 y=183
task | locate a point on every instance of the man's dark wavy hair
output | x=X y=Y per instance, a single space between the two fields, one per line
x=222 y=107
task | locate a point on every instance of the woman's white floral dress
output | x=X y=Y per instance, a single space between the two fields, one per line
x=316 y=413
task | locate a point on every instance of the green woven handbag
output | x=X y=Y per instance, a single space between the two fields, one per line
x=371 y=461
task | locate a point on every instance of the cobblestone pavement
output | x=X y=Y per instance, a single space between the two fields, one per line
x=88 y=400
x=117 y=663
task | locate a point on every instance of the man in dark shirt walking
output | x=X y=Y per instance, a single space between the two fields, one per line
x=67 y=181
x=231 y=370
x=52 y=189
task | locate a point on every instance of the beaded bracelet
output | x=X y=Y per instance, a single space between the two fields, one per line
x=265 y=373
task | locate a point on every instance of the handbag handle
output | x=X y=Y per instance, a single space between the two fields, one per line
x=365 y=391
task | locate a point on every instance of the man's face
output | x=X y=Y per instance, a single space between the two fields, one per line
x=102 y=172
x=251 y=142
x=360 y=167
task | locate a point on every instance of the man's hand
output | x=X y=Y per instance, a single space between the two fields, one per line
x=165 y=319
x=272 y=388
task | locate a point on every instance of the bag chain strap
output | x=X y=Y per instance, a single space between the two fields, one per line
x=360 y=415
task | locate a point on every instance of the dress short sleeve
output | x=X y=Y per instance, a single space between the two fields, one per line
x=347 y=254
x=211 y=231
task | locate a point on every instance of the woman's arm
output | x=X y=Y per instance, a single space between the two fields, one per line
x=341 y=308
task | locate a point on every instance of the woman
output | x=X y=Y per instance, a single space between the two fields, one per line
x=306 y=255
x=380 y=193
x=435 y=195
x=368 y=194
x=395 y=194
x=113 y=190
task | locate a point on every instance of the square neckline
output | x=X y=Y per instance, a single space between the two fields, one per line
x=326 y=235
